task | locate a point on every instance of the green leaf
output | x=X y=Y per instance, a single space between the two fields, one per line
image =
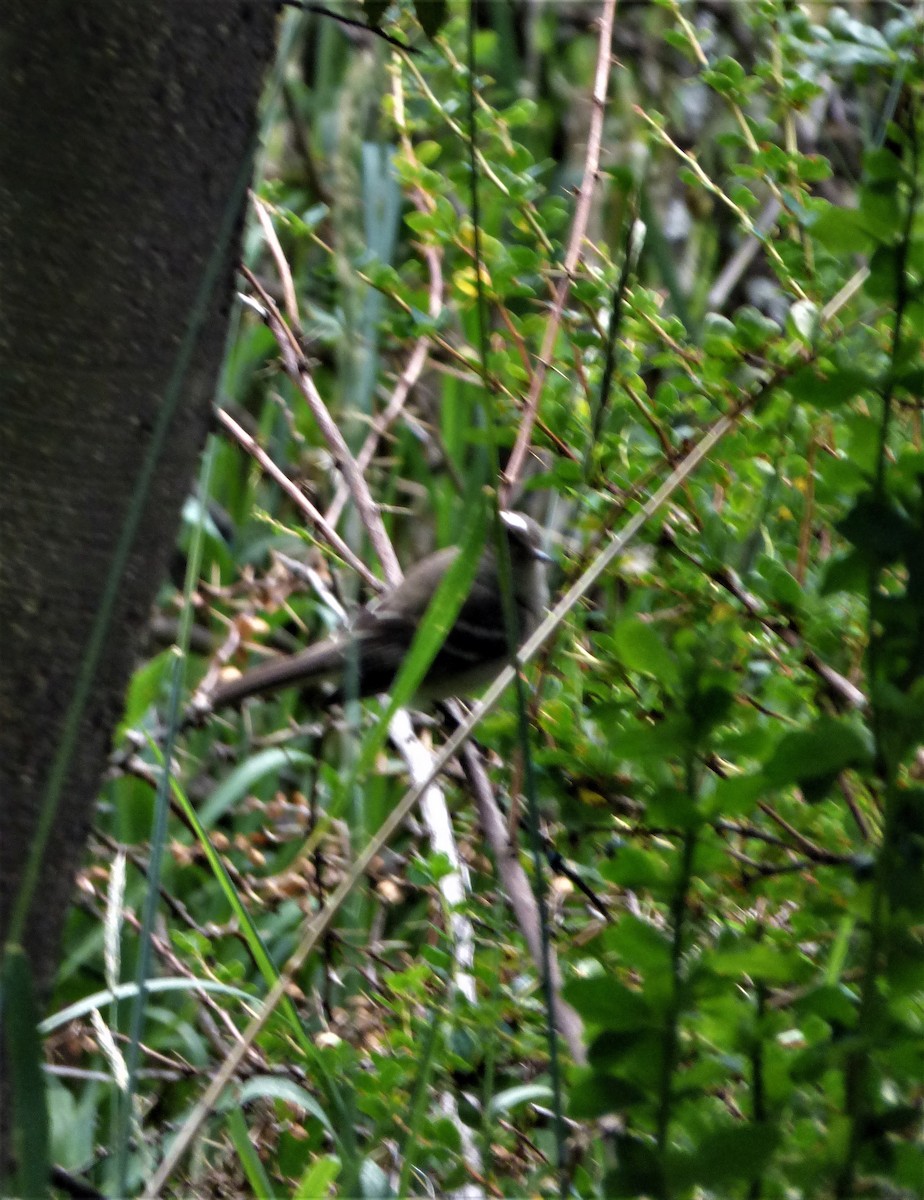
x=428 y=151
x=881 y=213
x=634 y=867
x=604 y=1001
x=595 y=1093
x=845 y=573
x=662 y=739
x=675 y=807
x=432 y=15
x=760 y=961
x=839 y=230
x=249 y=930
x=754 y=329
x=724 y=1156
x=785 y=589
x=880 y=165
x=259 y=1181
x=803 y=321
x=735 y=796
x=834 y=1004
x=811 y=168
x=708 y=705
x=885 y=274
x=726 y=77
x=719 y=337
x=829 y=746
x=827 y=391
x=124 y=991
x=847 y=54
x=147 y=686
x=420 y=222
x=639 y=1171
x=641 y=649
x=639 y=944
x=24 y=1056
x=880 y=533
x=374 y=1182
x=243 y=778
x=511 y=1098
x=316 y=1182
x=278 y=1087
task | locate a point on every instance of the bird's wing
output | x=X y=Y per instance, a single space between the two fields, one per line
x=384 y=630
x=477 y=634
x=409 y=600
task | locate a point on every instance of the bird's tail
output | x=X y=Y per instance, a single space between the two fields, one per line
x=311 y=669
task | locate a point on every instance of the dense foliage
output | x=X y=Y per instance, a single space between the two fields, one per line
x=724 y=732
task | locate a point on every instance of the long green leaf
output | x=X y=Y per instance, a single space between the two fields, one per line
x=241 y=780
x=80 y=1008
x=256 y=1174
x=23 y=1052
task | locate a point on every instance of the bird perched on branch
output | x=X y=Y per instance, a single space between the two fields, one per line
x=364 y=659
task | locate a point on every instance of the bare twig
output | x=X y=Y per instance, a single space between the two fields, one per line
x=522 y=900
x=282 y=266
x=836 y=682
x=806 y=845
x=351 y=23
x=728 y=278
x=782 y=628
x=435 y=811
x=296 y=368
x=692 y=162
x=243 y=438
x=572 y=257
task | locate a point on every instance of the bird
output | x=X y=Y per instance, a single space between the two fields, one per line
x=364 y=659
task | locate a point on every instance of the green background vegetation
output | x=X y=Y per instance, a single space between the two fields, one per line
x=725 y=731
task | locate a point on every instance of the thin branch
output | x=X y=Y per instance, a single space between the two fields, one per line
x=253 y=448
x=521 y=898
x=785 y=629
x=517 y=459
x=730 y=275
x=296 y=368
x=435 y=812
x=350 y=22
x=282 y=266
x=838 y=684
x=692 y=162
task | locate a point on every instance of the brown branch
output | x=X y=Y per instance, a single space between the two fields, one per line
x=282 y=266
x=297 y=370
x=522 y=901
x=806 y=845
x=517 y=460
x=298 y=498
